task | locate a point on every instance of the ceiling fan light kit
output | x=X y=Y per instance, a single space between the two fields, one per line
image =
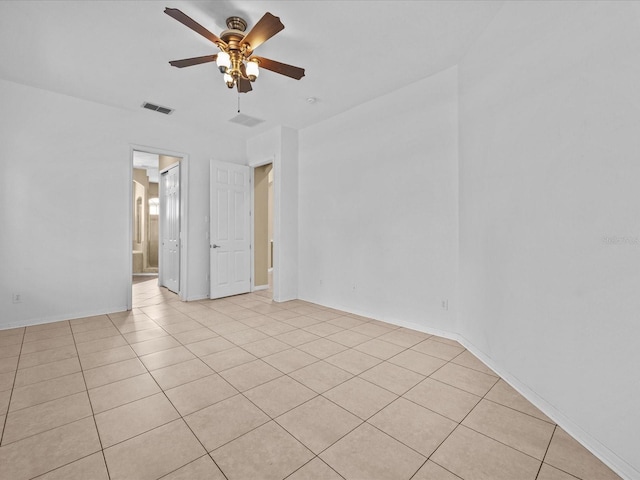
x=235 y=61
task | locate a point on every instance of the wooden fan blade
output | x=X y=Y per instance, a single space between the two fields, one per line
x=244 y=85
x=262 y=31
x=187 y=62
x=192 y=24
x=281 y=68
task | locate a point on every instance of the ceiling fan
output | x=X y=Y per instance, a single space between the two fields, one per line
x=236 y=60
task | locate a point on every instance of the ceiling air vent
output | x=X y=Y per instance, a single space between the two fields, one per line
x=246 y=120
x=157 y=108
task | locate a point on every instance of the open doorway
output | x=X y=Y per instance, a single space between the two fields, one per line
x=157 y=210
x=263 y=228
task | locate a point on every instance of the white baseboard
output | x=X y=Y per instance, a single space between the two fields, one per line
x=611 y=459
x=195 y=298
x=62 y=317
x=392 y=321
x=608 y=457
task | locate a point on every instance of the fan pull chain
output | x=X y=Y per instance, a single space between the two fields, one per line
x=238 y=102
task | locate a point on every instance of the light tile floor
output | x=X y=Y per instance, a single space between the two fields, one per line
x=244 y=388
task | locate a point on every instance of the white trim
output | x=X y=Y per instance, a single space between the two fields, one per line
x=252 y=222
x=184 y=222
x=260 y=163
x=253 y=166
x=393 y=321
x=184 y=217
x=166 y=169
x=197 y=297
x=277 y=234
x=129 y=249
x=66 y=316
x=607 y=456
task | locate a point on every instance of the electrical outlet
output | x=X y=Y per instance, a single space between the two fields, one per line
x=445 y=304
x=17 y=298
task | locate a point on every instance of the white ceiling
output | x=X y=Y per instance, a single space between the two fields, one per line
x=148 y=161
x=117 y=53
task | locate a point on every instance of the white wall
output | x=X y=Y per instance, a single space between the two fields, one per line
x=280 y=146
x=550 y=213
x=64 y=202
x=378 y=207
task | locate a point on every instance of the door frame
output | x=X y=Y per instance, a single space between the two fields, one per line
x=253 y=165
x=184 y=218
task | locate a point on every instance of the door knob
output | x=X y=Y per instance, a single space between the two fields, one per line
x=215 y=246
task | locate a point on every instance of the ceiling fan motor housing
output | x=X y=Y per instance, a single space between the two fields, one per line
x=232 y=37
x=236 y=23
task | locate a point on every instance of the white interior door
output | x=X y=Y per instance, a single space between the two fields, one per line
x=230 y=230
x=169 y=264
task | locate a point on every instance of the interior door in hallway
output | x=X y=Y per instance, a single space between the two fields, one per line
x=230 y=229
x=169 y=267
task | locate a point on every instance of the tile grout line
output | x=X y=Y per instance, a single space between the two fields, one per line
x=347 y=348
x=516 y=410
x=148 y=372
x=193 y=461
x=362 y=422
x=426 y=458
x=180 y=416
x=458 y=423
x=307 y=463
x=13 y=386
x=488 y=436
x=82 y=370
x=546 y=450
x=545 y=456
x=271 y=419
x=238 y=346
x=502 y=443
x=398 y=396
x=70 y=422
x=429 y=460
x=95 y=423
x=161 y=300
